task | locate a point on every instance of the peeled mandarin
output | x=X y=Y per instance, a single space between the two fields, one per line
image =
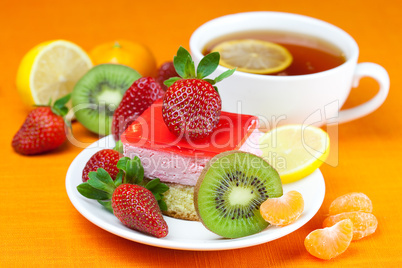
x=351 y=202
x=364 y=224
x=283 y=210
x=330 y=242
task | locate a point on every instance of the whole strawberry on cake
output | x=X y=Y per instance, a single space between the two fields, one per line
x=192 y=105
x=177 y=136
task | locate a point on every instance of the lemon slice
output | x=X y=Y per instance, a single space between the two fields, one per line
x=295 y=151
x=253 y=56
x=50 y=70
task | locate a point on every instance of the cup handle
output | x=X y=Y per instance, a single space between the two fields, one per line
x=377 y=72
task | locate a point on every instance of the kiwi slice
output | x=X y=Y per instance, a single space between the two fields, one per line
x=230 y=190
x=97 y=94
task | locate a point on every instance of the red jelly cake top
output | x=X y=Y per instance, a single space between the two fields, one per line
x=149 y=131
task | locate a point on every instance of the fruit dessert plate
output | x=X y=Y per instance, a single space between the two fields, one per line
x=187 y=235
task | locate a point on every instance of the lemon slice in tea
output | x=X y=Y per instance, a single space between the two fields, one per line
x=253 y=56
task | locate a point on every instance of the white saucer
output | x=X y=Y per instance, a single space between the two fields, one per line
x=187 y=235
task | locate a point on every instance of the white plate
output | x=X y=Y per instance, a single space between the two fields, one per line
x=187 y=235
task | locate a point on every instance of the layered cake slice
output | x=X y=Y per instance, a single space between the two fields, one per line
x=178 y=161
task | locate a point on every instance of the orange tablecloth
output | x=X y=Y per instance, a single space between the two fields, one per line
x=39 y=225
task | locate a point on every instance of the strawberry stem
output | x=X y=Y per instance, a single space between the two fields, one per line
x=59 y=106
x=118 y=147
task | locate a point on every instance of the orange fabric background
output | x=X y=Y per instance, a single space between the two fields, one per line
x=40 y=227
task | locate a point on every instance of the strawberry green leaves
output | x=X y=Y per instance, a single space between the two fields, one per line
x=59 y=106
x=208 y=65
x=101 y=180
x=185 y=67
x=180 y=61
x=92 y=193
x=157 y=188
x=224 y=75
x=101 y=186
x=134 y=172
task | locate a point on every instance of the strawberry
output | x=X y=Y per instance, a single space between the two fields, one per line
x=192 y=105
x=106 y=159
x=165 y=71
x=44 y=129
x=142 y=93
x=136 y=204
x=137 y=208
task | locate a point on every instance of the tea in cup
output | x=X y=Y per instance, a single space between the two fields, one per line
x=312 y=89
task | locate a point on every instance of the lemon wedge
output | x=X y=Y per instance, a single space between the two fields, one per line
x=253 y=56
x=50 y=70
x=295 y=151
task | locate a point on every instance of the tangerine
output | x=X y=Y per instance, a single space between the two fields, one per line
x=351 y=202
x=283 y=210
x=364 y=224
x=331 y=241
x=132 y=54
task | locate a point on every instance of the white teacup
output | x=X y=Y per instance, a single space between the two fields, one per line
x=300 y=99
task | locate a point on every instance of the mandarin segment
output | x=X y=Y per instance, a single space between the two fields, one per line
x=351 y=202
x=330 y=242
x=283 y=210
x=364 y=224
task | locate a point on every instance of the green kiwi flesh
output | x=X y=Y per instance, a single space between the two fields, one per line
x=98 y=93
x=230 y=190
